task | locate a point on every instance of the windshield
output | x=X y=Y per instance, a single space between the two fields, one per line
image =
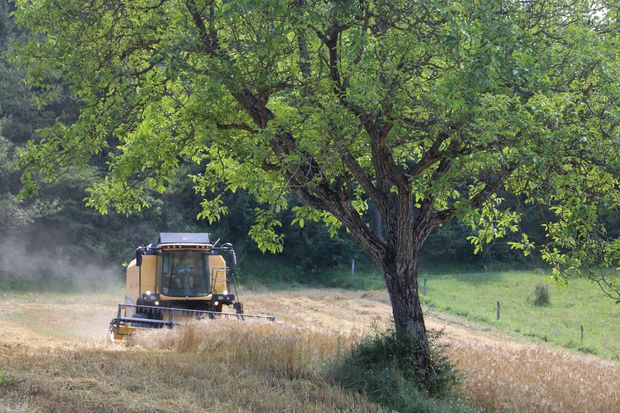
x=183 y=273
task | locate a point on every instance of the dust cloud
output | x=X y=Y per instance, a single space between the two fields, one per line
x=26 y=266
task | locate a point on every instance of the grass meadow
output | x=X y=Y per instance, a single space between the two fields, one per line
x=580 y=303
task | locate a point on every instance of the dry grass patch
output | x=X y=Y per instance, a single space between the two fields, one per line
x=214 y=367
x=309 y=355
x=535 y=378
x=264 y=367
x=279 y=349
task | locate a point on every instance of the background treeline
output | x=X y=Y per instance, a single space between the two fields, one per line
x=56 y=221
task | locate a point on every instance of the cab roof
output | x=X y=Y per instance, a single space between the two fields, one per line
x=184 y=238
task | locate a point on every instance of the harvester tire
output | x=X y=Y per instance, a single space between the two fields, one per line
x=214 y=309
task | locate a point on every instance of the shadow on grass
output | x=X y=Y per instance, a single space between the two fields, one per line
x=276 y=274
x=475 y=275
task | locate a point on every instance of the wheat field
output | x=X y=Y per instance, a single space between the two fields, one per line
x=55 y=358
x=185 y=373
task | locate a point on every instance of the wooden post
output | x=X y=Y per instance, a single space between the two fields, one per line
x=581 y=334
x=424 y=287
x=353 y=267
x=498 y=310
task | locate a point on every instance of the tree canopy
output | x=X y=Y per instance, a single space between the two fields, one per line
x=426 y=110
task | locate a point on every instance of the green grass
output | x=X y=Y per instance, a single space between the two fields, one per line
x=51 y=284
x=58 y=284
x=268 y=272
x=475 y=296
x=363 y=279
x=276 y=274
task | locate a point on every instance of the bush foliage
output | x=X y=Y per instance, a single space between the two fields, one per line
x=383 y=366
x=541 y=294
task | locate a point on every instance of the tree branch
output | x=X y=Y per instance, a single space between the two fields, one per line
x=382 y=200
x=491 y=187
x=208 y=37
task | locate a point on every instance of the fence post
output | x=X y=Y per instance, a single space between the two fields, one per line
x=498 y=310
x=581 y=334
x=353 y=266
x=424 y=287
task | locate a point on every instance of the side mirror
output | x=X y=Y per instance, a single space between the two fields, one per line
x=139 y=252
x=233 y=258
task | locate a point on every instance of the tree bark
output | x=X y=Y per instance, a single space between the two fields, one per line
x=400 y=272
x=378 y=222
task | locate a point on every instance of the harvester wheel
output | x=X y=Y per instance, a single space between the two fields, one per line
x=112 y=328
x=214 y=309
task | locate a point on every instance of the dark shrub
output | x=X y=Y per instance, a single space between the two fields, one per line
x=541 y=294
x=384 y=367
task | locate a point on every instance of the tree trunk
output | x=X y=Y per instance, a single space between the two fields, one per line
x=401 y=280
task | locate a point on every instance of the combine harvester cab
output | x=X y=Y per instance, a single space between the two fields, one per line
x=181 y=278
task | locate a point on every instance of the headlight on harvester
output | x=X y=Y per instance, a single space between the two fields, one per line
x=150 y=297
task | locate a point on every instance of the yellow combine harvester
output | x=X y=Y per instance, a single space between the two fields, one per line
x=181 y=278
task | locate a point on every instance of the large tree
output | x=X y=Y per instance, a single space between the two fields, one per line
x=426 y=110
